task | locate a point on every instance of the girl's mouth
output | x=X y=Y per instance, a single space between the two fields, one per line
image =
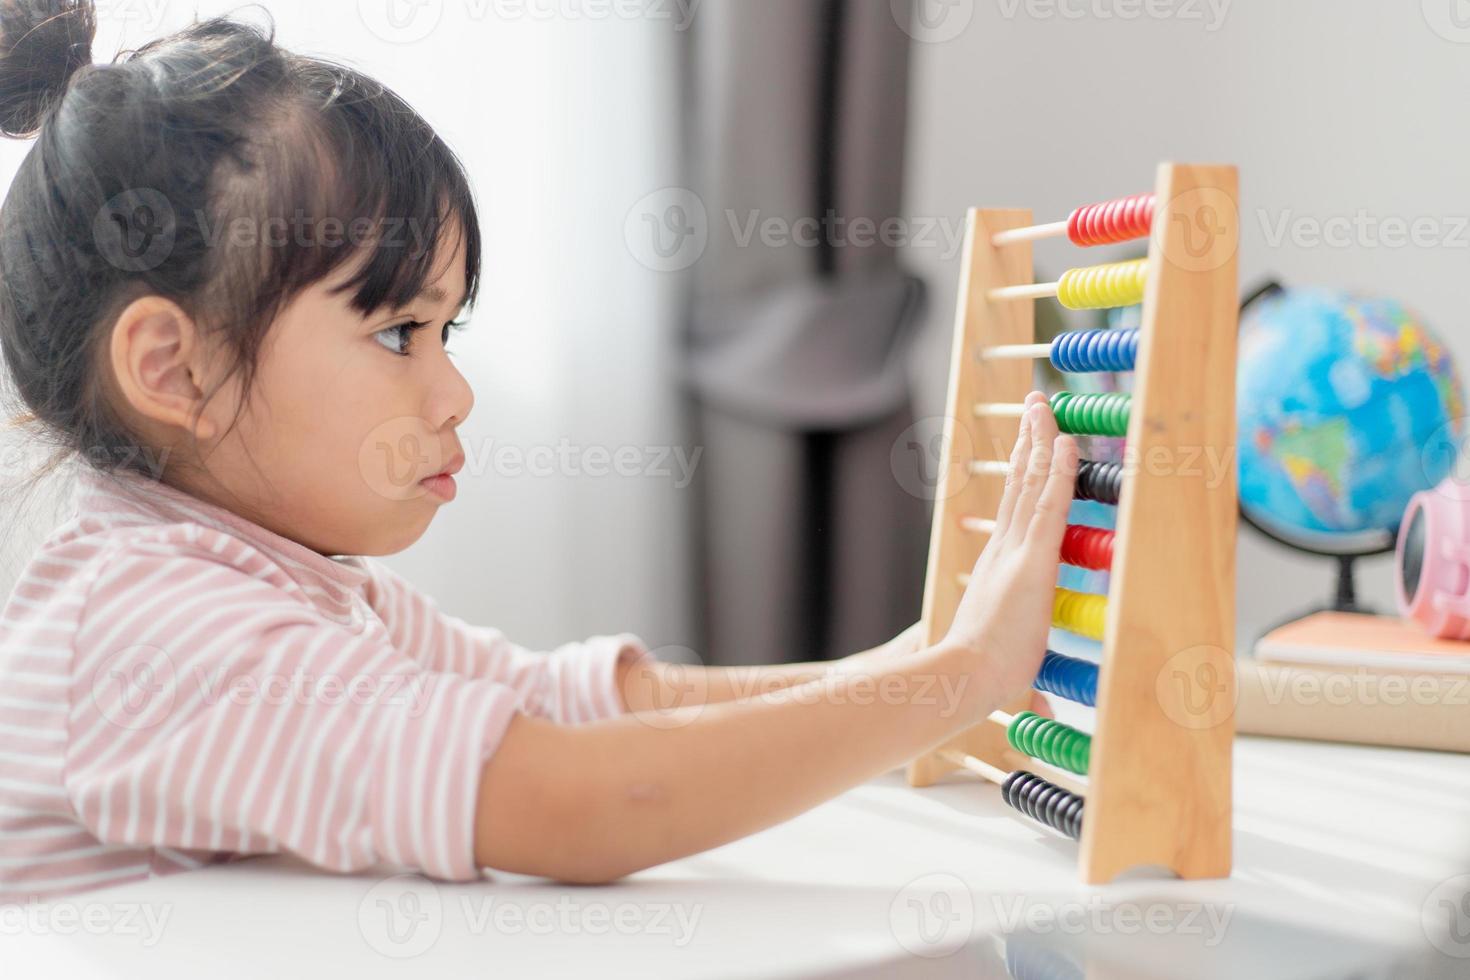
x=442 y=484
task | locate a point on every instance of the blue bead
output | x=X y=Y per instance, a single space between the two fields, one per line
x=1069 y=678
x=1085 y=351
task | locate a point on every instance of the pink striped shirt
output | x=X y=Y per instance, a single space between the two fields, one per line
x=180 y=686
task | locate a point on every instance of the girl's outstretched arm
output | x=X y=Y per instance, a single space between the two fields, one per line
x=595 y=802
x=652 y=685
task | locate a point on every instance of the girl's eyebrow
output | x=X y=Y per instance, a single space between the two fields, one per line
x=436 y=294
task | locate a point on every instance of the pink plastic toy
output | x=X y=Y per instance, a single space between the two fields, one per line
x=1434 y=561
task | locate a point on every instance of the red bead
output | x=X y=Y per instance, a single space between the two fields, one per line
x=1088 y=547
x=1112 y=221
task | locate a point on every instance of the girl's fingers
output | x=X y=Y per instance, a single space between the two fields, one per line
x=1020 y=452
x=1050 y=523
x=1038 y=468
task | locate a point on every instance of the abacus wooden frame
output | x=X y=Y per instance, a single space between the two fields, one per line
x=1159 y=786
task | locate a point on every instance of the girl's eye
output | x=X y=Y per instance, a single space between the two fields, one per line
x=398 y=337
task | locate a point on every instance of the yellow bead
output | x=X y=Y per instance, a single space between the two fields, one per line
x=1080 y=612
x=1101 y=287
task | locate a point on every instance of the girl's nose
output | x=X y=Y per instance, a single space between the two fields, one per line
x=453 y=398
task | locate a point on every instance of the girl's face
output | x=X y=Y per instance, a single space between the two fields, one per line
x=347 y=416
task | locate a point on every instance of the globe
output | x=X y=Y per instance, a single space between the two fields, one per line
x=1347 y=406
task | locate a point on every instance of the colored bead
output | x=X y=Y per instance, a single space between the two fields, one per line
x=1084 y=351
x=1101 y=482
x=1088 y=547
x=1050 y=741
x=1093 y=414
x=1100 y=287
x=1082 y=613
x=1069 y=678
x=1044 y=802
x=1112 y=221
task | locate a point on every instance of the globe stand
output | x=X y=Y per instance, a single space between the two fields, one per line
x=1344 y=549
x=1347 y=588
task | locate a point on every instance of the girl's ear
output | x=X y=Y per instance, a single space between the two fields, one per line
x=158 y=361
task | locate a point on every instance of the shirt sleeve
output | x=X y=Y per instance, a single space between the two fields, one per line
x=572 y=684
x=212 y=709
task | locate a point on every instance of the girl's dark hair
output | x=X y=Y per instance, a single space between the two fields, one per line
x=212 y=168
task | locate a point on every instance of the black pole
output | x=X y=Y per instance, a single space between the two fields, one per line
x=1347 y=589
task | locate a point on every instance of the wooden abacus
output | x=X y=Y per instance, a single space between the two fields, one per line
x=1151 y=785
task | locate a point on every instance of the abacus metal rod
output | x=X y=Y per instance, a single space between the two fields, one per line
x=1031 y=233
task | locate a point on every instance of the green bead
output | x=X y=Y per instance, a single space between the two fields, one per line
x=1051 y=742
x=1092 y=414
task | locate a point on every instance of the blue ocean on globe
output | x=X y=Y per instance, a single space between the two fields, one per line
x=1347 y=406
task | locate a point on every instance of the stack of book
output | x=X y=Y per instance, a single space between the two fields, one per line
x=1347 y=677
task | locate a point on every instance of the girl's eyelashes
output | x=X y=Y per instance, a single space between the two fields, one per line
x=398 y=337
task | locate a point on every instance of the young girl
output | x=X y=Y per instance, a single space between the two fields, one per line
x=229 y=275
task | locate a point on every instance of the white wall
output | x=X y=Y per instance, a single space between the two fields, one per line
x=1329 y=107
x=563 y=127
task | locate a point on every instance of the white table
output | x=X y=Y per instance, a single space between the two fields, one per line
x=1341 y=852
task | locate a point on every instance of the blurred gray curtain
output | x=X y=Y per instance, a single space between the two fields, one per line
x=796 y=356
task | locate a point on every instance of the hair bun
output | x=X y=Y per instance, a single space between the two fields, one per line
x=42 y=44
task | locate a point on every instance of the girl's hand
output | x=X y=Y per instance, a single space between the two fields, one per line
x=1005 y=613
